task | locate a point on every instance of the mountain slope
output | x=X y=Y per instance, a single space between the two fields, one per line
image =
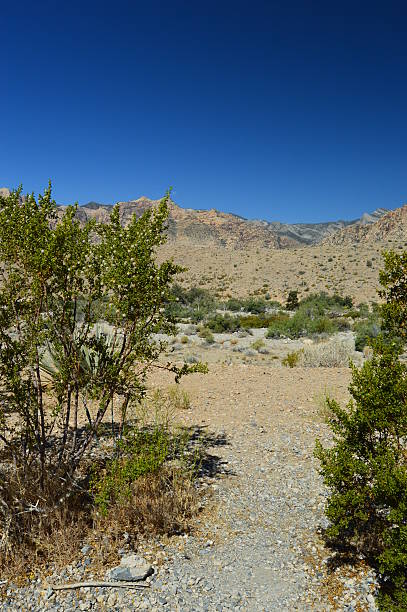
x=212 y=227
x=391 y=226
x=215 y=228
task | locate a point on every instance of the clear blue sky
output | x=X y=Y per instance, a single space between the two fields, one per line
x=292 y=111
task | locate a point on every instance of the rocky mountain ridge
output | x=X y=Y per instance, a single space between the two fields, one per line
x=212 y=227
x=206 y=227
x=390 y=227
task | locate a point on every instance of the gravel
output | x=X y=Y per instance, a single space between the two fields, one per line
x=256 y=545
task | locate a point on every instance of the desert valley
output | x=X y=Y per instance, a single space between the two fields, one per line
x=255 y=540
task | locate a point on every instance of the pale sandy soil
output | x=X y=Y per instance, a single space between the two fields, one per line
x=344 y=270
x=229 y=395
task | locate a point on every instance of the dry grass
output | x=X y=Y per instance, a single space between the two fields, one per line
x=44 y=527
x=39 y=525
x=161 y=503
x=178 y=398
x=331 y=354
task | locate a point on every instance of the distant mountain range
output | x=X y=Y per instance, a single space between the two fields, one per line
x=212 y=227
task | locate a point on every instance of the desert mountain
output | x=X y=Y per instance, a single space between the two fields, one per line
x=391 y=226
x=213 y=227
x=188 y=226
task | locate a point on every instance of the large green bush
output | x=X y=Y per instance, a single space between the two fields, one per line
x=366 y=468
x=323 y=302
x=193 y=304
x=79 y=308
x=302 y=323
x=220 y=324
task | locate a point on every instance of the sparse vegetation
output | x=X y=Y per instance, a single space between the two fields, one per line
x=257 y=344
x=292 y=359
x=331 y=354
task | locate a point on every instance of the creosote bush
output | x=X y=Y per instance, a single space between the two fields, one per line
x=79 y=307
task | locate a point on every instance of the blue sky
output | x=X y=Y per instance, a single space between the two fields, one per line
x=291 y=111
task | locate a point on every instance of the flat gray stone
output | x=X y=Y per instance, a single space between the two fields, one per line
x=131 y=568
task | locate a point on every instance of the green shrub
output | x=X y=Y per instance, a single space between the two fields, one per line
x=301 y=324
x=292 y=301
x=322 y=325
x=257 y=344
x=140 y=453
x=363 y=309
x=220 y=324
x=322 y=302
x=251 y=304
x=366 y=331
x=292 y=359
x=193 y=304
x=352 y=314
x=366 y=471
x=255 y=321
x=206 y=334
x=255 y=306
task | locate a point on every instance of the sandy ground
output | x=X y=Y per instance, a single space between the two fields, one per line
x=347 y=270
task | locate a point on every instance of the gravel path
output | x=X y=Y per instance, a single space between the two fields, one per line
x=256 y=546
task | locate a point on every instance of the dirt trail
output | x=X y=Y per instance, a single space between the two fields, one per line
x=256 y=546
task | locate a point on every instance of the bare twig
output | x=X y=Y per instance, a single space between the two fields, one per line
x=95 y=583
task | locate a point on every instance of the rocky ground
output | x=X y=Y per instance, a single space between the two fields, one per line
x=256 y=544
x=246 y=346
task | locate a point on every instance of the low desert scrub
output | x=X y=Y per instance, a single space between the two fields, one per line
x=332 y=354
x=258 y=344
x=292 y=359
x=149 y=486
x=142 y=483
x=161 y=502
x=178 y=397
x=140 y=454
x=206 y=335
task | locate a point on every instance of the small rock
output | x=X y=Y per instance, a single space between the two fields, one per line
x=131 y=568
